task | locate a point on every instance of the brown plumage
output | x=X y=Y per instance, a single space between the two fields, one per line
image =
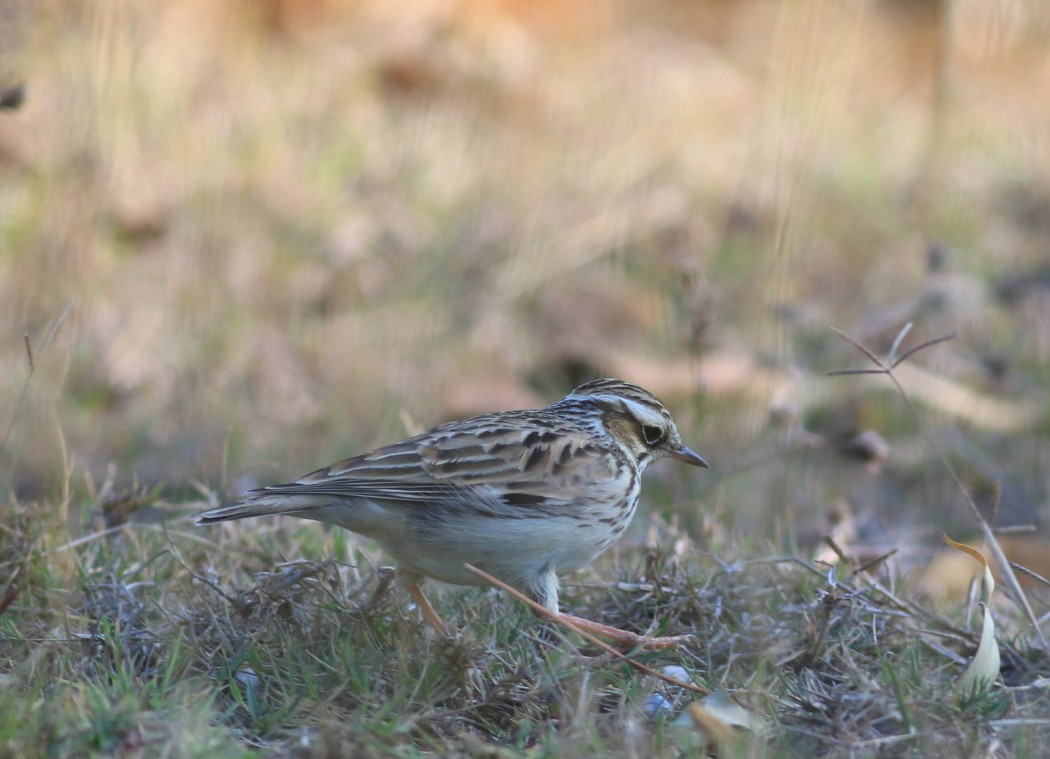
x=523 y=495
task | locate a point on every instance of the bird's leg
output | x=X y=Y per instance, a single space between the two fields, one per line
x=428 y=611
x=624 y=639
x=411 y=583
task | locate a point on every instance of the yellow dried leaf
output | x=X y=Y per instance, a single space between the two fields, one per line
x=720 y=719
x=983 y=669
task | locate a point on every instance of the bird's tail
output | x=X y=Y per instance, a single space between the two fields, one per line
x=264 y=502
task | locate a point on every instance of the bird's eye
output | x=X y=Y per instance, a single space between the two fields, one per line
x=653 y=435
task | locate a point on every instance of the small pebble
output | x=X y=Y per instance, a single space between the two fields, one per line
x=677 y=672
x=658 y=706
x=247 y=677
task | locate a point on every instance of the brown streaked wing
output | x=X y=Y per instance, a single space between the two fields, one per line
x=519 y=465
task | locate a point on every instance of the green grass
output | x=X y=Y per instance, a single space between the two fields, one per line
x=212 y=643
x=238 y=244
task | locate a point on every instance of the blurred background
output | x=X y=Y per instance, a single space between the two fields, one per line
x=241 y=240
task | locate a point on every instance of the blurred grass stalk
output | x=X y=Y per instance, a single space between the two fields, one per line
x=294 y=229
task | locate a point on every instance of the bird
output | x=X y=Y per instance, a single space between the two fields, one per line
x=525 y=496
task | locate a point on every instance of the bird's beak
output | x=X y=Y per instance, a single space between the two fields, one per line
x=682 y=453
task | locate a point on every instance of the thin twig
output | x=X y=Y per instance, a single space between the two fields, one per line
x=863 y=568
x=871 y=356
x=830 y=543
x=1030 y=573
x=207 y=581
x=1001 y=561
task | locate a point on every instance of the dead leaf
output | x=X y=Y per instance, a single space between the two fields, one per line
x=983 y=669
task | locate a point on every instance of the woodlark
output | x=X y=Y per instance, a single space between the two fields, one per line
x=525 y=496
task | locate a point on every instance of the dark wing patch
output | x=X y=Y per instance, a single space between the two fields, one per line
x=537 y=458
x=485 y=462
x=523 y=499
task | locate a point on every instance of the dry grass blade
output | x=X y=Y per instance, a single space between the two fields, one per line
x=545 y=612
x=1007 y=574
x=1031 y=574
x=18 y=406
x=892 y=361
x=903 y=333
x=29 y=352
x=920 y=347
x=863 y=568
x=488 y=225
x=173 y=548
x=871 y=356
x=852 y=372
x=1009 y=578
